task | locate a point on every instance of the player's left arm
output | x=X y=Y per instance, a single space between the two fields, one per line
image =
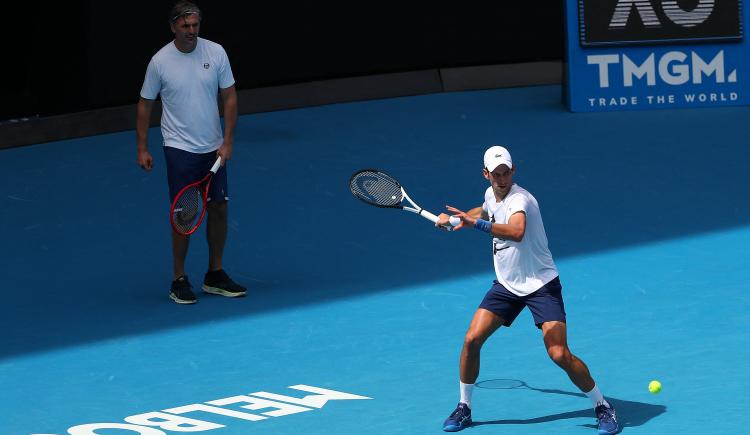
x=229 y=104
x=514 y=230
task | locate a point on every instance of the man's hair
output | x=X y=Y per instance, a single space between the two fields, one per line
x=183 y=8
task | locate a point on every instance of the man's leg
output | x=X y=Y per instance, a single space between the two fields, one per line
x=180 y=245
x=216 y=280
x=556 y=340
x=482 y=326
x=181 y=290
x=216 y=233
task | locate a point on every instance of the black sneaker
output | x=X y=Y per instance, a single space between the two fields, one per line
x=181 y=291
x=219 y=283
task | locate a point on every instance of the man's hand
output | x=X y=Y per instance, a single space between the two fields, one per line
x=444 y=222
x=465 y=218
x=145 y=160
x=225 y=152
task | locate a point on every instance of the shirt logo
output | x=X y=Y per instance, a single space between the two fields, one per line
x=206 y=65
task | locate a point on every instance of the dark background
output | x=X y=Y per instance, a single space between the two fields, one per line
x=77 y=56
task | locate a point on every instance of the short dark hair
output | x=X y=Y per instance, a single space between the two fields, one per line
x=182 y=8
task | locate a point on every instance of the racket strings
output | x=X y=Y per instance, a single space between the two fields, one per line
x=187 y=209
x=376 y=188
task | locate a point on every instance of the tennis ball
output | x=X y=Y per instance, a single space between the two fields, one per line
x=654 y=387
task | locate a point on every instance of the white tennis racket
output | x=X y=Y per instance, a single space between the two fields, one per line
x=381 y=190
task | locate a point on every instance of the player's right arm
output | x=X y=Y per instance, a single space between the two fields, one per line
x=143 y=115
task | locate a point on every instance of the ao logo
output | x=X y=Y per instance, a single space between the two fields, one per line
x=671 y=9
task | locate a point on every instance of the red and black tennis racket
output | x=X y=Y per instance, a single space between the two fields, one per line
x=189 y=206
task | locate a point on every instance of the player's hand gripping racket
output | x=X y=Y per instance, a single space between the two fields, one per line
x=189 y=206
x=381 y=190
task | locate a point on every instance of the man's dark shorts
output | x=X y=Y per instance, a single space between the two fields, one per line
x=545 y=304
x=184 y=167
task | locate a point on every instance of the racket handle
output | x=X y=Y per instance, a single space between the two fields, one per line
x=453 y=219
x=216 y=165
x=429 y=216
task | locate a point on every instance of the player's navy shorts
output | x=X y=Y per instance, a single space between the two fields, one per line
x=184 y=167
x=545 y=304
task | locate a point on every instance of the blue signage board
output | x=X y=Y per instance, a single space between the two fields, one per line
x=650 y=54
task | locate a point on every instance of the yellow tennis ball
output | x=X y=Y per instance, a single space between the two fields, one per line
x=654 y=387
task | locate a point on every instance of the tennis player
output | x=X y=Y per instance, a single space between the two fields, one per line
x=526 y=277
x=189 y=73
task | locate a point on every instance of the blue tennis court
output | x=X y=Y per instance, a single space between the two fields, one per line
x=355 y=316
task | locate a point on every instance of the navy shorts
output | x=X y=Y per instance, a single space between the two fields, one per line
x=545 y=304
x=184 y=167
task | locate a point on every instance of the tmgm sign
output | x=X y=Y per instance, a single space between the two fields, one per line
x=649 y=54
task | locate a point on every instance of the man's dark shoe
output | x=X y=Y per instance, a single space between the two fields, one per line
x=181 y=291
x=217 y=282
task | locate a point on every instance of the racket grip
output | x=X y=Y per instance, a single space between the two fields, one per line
x=216 y=165
x=453 y=219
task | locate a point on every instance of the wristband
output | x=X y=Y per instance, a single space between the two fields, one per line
x=483 y=225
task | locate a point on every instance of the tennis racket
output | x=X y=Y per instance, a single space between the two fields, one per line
x=381 y=190
x=189 y=206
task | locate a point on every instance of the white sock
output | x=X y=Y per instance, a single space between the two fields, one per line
x=596 y=397
x=466 y=390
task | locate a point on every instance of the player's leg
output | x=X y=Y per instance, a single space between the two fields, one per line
x=499 y=307
x=484 y=324
x=548 y=309
x=216 y=233
x=216 y=280
x=556 y=342
x=555 y=339
x=180 y=245
x=180 y=291
x=182 y=169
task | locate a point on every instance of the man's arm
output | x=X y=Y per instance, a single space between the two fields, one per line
x=229 y=102
x=514 y=230
x=142 y=118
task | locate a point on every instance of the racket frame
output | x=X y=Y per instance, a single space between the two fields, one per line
x=414 y=208
x=204 y=199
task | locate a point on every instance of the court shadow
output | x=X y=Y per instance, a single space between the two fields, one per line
x=96 y=265
x=629 y=413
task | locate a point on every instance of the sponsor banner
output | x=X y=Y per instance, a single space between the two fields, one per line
x=648 y=54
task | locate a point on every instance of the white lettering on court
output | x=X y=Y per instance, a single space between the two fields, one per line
x=267 y=404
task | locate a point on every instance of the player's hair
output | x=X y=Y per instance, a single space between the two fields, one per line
x=183 y=8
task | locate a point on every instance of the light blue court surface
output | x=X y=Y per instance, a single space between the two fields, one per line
x=647 y=215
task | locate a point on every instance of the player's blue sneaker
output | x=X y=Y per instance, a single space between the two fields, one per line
x=607 y=419
x=459 y=419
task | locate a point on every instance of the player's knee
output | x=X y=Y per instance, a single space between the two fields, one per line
x=473 y=342
x=560 y=355
x=217 y=209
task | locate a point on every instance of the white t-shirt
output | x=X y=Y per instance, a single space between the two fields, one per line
x=522 y=267
x=189 y=84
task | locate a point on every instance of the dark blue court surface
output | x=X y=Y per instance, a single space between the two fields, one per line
x=646 y=213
